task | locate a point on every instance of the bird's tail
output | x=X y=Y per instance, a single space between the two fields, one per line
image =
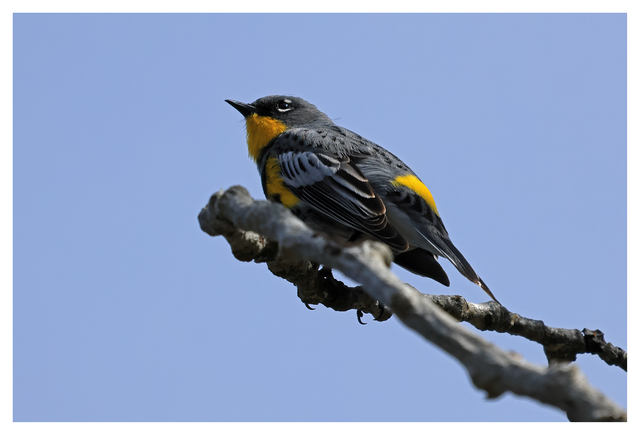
x=484 y=287
x=461 y=263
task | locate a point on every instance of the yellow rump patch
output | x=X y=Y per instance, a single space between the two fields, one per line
x=412 y=182
x=275 y=184
x=260 y=131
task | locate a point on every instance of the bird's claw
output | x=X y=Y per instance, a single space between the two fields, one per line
x=360 y=314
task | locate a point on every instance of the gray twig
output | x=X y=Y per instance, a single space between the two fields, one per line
x=263 y=231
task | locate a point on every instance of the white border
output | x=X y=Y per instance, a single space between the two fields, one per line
x=6 y=191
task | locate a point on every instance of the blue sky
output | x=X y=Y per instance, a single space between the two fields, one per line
x=125 y=311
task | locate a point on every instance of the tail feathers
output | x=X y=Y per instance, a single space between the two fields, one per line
x=422 y=263
x=461 y=263
x=484 y=287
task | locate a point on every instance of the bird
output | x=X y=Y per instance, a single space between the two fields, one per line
x=347 y=187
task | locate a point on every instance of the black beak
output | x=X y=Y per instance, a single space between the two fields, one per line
x=245 y=109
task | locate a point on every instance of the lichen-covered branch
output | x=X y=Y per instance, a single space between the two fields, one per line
x=560 y=345
x=253 y=228
x=317 y=286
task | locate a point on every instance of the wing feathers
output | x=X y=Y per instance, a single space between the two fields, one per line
x=337 y=188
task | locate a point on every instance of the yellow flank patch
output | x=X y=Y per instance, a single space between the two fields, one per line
x=260 y=131
x=275 y=184
x=412 y=182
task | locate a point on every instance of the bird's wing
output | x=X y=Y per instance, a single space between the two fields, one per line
x=414 y=202
x=335 y=187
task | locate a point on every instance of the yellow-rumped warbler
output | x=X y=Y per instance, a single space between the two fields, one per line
x=343 y=185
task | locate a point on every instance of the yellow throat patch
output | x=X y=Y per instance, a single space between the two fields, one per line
x=412 y=182
x=260 y=131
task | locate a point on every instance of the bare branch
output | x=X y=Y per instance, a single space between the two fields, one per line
x=560 y=345
x=319 y=287
x=491 y=369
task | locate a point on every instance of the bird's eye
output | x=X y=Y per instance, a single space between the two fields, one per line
x=284 y=106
